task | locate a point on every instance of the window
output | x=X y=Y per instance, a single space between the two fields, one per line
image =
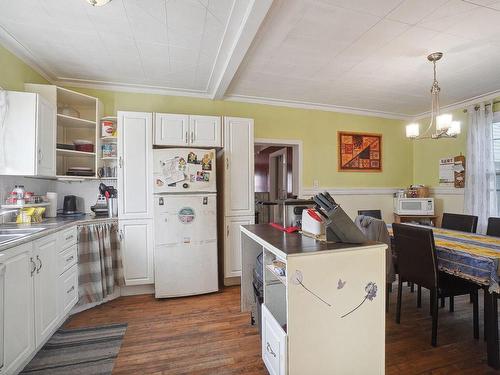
x=496 y=153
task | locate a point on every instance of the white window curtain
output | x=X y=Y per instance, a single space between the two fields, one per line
x=480 y=189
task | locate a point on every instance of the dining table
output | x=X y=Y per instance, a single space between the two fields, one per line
x=474 y=257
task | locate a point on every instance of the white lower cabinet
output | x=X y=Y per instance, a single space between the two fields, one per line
x=232 y=243
x=136 y=238
x=40 y=288
x=19 y=316
x=274 y=344
x=46 y=279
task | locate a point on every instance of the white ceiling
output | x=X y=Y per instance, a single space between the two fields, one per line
x=355 y=55
x=170 y=44
x=371 y=54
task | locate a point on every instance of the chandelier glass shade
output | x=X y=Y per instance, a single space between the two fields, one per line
x=98 y=3
x=443 y=123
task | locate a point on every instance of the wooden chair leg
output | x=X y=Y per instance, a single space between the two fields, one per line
x=442 y=301
x=398 y=306
x=435 y=311
x=452 y=304
x=419 y=296
x=475 y=313
x=412 y=287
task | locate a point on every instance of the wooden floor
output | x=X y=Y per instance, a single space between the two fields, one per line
x=208 y=335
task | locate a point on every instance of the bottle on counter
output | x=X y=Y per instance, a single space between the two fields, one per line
x=19 y=190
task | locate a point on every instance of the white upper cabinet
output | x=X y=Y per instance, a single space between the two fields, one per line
x=239 y=169
x=28 y=135
x=187 y=130
x=205 y=131
x=135 y=165
x=171 y=129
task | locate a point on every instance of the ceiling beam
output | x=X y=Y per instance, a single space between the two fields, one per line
x=241 y=29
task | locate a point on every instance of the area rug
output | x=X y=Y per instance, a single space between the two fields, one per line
x=89 y=351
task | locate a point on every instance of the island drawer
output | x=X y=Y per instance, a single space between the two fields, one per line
x=67 y=259
x=274 y=344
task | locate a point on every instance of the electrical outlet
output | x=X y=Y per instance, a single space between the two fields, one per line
x=315 y=184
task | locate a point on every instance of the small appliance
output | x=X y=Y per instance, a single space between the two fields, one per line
x=71 y=203
x=288 y=212
x=100 y=209
x=414 y=206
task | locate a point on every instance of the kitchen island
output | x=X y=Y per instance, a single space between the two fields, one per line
x=325 y=314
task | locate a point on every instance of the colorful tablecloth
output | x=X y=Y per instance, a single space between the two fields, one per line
x=474 y=257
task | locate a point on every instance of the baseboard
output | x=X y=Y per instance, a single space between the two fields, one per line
x=134 y=290
x=230 y=281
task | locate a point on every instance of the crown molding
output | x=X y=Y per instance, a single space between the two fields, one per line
x=22 y=53
x=134 y=88
x=462 y=104
x=316 y=106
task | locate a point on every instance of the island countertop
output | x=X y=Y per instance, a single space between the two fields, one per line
x=296 y=244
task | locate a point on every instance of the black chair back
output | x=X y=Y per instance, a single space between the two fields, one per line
x=417 y=260
x=463 y=223
x=377 y=214
x=493 y=227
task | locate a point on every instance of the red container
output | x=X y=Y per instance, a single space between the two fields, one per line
x=85 y=148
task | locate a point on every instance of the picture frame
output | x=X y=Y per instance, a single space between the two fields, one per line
x=359 y=152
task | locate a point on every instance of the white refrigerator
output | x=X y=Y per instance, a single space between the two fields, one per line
x=185 y=219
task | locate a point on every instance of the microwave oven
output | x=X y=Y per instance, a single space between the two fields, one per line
x=414 y=206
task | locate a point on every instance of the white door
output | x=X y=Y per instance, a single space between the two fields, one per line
x=205 y=131
x=232 y=244
x=239 y=173
x=45 y=253
x=185 y=245
x=137 y=251
x=19 y=335
x=46 y=138
x=171 y=130
x=135 y=164
x=278 y=175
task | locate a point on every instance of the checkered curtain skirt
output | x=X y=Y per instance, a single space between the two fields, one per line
x=99 y=262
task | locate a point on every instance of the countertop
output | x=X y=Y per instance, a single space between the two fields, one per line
x=52 y=225
x=292 y=244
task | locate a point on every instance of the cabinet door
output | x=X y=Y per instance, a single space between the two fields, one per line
x=135 y=162
x=171 y=130
x=232 y=244
x=45 y=253
x=46 y=138
x=137 y=251
x=205 y=131
x=19 y=336
x=239 y=168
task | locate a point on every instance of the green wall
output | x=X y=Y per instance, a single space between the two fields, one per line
x=317 y=130
x=14 y=73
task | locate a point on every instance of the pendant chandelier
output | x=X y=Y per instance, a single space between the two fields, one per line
x=445 y=126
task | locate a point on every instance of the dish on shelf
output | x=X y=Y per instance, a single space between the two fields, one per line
x=64 y=146
x=66 y=110
x=83 y=145
x=82 y=142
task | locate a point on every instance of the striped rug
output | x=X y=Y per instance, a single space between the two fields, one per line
x=89 y=351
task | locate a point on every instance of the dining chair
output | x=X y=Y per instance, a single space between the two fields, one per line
x=462 y=223
x=417 y=262
x=377 y=214
x=493 y=227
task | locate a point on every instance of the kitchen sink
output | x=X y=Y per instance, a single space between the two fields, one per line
x=10 y=234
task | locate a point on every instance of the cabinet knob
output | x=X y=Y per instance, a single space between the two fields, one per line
x=121 y=235
x=40 y=155
x=70 y=289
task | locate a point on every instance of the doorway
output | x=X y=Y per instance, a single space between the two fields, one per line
x=277 y=174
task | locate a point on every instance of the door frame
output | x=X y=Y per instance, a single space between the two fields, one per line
x=297 y=161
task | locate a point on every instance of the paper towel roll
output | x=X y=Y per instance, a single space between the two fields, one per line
x=51 y=210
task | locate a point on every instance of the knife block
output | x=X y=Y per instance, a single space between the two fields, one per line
x=340 y=228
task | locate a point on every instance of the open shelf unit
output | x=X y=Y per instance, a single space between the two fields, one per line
x=78 y=117
x=109 y=142
x=275 y=287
